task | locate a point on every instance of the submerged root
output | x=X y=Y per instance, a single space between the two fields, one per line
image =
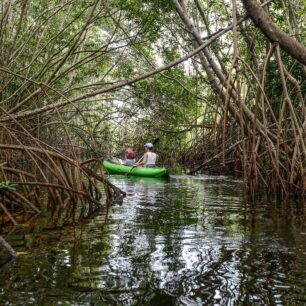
x=265 y=163
x=36 y=173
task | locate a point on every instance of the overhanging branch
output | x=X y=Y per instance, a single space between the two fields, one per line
x=275 y=35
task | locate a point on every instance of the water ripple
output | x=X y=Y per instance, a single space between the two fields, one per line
x=187 y=241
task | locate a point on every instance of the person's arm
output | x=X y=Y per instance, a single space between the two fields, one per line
x=144 y=160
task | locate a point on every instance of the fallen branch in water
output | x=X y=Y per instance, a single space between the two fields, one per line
x=214 y=157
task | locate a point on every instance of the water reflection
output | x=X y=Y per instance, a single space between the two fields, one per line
x=187 y=241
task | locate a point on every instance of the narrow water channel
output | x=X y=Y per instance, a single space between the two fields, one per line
x=186 y=241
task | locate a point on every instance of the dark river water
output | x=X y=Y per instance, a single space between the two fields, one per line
x=186 y=241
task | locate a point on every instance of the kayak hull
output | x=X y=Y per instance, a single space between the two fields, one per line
x=113 y=168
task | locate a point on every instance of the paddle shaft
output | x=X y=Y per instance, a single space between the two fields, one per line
x=135 y=166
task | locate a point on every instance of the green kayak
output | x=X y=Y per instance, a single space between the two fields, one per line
x=113 y=168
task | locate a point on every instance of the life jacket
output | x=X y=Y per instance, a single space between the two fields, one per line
x=151 y=158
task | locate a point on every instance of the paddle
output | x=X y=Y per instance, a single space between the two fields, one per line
x=154 y=143
x=127 y=174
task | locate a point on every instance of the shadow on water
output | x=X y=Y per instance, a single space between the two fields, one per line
x=183 y=241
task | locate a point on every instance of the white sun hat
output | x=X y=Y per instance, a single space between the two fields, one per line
x=148 y=145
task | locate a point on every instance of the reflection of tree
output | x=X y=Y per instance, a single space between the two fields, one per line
x=188 y=241
x=51 y=260
x=214 y=220
x=272 y=261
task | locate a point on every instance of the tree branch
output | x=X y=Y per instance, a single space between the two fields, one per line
x=275 y=35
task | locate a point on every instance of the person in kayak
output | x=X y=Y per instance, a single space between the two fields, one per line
x=149 y=158
x=129 y=158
